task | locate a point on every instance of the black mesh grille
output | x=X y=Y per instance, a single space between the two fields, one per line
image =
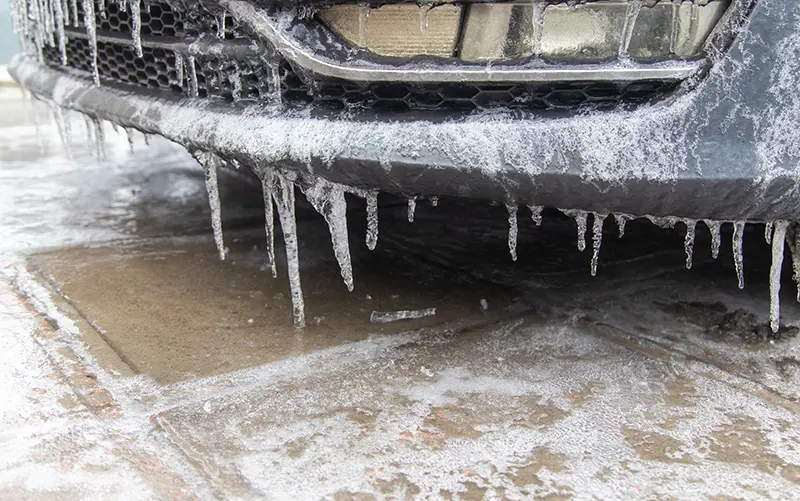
x=155 y=69
x=157 y=20
x=467 y=97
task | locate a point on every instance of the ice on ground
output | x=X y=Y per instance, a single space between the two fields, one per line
x=385 y=317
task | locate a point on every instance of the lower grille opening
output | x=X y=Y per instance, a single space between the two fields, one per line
x=249 y=79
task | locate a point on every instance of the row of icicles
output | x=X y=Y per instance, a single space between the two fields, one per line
x=328 y=199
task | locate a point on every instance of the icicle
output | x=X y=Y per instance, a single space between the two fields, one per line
x=328 y=199
x=794 y=247
x=91 y=32
x=179 y=68
x=622 y=220
x=434 y=201
x=372 y=219
x=221 y=25
x=423 y=19
x=101 y=4
x=513 y=230
x=688 y=241
x=536 y=213
x=597 y=239
x=412 y=208
x=714 y=227
x=738 y=260
x=90 y=132
x=537 y=26
x=631 y=15
x=276 y=94
x=66 y=12
x=63 y=126
x=146 y=138
x=268 y=187
x=100 y=139
x=211 y=162
x=136 y=26
x=673 y=37
x=131 y=139
x=778 y=238
x=62 y=39
x=76 y=20
x=193 y=91
x=284 y=201
x=580 y=219
x=768 y=232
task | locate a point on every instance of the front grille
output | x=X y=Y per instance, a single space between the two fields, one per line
x=249 y=78
x=467 y=97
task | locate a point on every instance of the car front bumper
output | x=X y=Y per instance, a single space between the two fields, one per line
x=727 y=149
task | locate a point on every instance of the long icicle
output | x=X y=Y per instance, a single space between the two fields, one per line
x=778 y=238
x=597 y=239
x=268 y=187
x=136 y=26
x=688 y=241
x=372 y=219
x=513 y=230
x=328 y=199
x=211 y=162
x=62 y=39
x=284 y=201
x=738 y=258
x=794 y=246
x=768 y=228
x=91 y=33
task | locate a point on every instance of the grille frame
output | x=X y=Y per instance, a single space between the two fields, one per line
x=240 y=67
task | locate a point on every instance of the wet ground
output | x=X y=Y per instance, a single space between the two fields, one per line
x=136 y=365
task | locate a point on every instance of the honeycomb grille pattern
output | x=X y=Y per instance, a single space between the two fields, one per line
x=467 y=97
x=155 y=69
x=157 y=20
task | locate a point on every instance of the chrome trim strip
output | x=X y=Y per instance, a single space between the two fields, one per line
x=261 y=24
x=203 y=46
